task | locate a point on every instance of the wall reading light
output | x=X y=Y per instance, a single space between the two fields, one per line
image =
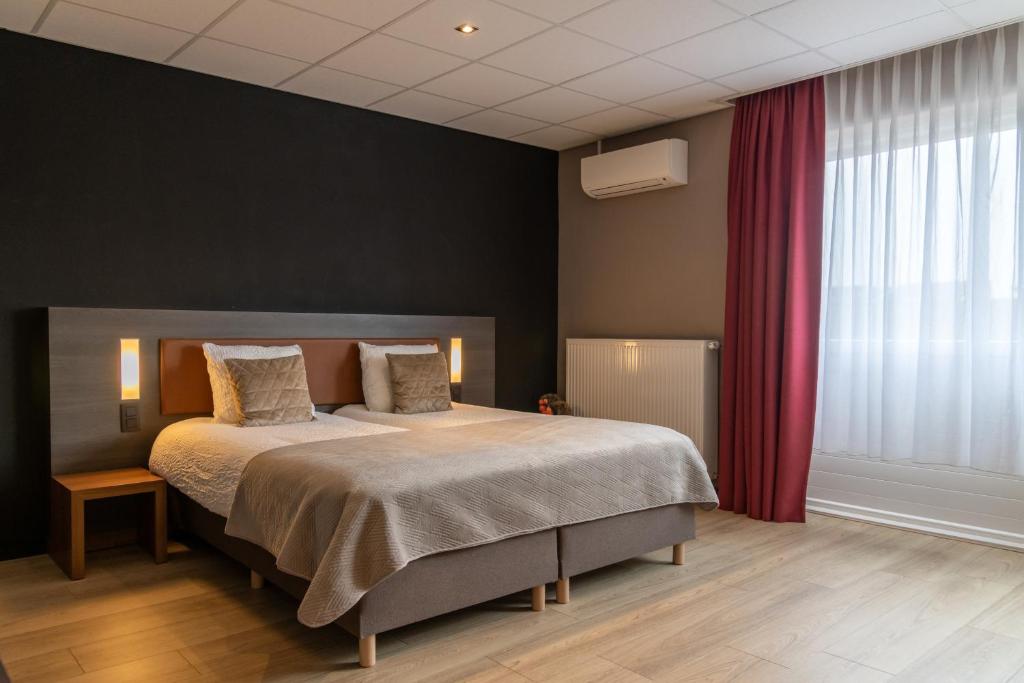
x=456 y=369
x=129 y=369
x=130 y=385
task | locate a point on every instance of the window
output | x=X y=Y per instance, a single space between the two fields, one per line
x=922 y=346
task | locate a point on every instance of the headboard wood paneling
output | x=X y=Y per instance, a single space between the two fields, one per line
x=84 y=360
x=332 y=369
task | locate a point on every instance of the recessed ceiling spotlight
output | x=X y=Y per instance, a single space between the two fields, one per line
x=467 y=28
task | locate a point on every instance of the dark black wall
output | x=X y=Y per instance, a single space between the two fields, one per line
x=129 y=184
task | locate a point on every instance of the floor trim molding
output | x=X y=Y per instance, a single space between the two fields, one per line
x=935 y=527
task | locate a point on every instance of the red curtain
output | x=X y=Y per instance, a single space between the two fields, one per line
x=770 y=351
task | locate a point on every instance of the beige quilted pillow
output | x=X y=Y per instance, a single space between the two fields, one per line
x=270 y=391
x=419 y=382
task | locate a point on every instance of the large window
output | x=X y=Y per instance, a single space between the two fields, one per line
x=922 y=346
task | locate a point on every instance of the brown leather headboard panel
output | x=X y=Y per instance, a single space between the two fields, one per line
x=332 y=369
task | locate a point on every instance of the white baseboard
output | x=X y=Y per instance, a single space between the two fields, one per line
x=936 y=527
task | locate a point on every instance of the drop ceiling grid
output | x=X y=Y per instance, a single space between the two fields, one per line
x=926 y=21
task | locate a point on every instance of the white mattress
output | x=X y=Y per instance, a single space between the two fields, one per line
x=460 y=414
x=204 y=460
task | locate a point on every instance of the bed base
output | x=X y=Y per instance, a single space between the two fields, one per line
x=425 y=588
x=446 y=582
x=592 y=545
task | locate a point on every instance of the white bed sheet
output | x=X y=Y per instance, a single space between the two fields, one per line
x=204 y=460
x=460 y=414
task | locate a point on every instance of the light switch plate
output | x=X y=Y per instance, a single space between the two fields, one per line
x=130 y=421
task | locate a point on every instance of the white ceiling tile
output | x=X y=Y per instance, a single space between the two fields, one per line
x=615 y=121
x=894 y=39
x=554 y=10
x=21 y=15
x=434 y=24
x=422 y=106
x=697 y=109
x=820 y=22
x=556 y=137
x=556 y=105
x=643 y=25
x=188 y=15
x=690 y=101
x=328 y=84
x=483 y=85
x=981 y=13
x=784 y=70
x=365 y=13
x=730 y=48
x=753 y=6
x=557 y=55
x=239 y=63
x=285 y=31
x=496 y=124
x=112 y=33
x=632 y=80
x=393 y=60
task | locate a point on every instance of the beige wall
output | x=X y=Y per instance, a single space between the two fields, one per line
x=650 y=264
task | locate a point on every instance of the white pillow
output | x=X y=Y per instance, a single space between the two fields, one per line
x=377 y=375
x=225 y=404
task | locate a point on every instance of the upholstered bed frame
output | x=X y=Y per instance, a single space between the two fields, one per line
x=427 y=587
x=442 y=583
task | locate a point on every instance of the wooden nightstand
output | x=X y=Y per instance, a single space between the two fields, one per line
x=67 y=512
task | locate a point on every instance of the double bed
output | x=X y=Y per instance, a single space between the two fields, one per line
x=584 y=546
x=377 y=520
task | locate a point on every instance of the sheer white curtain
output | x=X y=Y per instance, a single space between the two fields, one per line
x=922 y=333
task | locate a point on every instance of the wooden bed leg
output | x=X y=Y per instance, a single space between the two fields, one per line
x=678 y=554
x=539 y=598
x=368 y=651
x=255 y=580
x=562 y=591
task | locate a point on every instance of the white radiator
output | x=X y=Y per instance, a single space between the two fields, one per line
x=667 y=382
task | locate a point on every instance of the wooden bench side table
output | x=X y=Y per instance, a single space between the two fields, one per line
x=69 y=492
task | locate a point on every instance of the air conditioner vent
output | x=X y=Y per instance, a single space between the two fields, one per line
x=635 y=169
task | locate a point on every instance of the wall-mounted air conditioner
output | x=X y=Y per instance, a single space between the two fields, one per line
x=635 y=169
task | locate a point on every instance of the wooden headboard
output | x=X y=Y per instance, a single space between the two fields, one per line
x=84 y=353
x=332 y=370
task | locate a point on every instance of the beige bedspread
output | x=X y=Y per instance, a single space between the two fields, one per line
x=347 y=513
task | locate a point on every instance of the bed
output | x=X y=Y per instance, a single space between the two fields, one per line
x=582 y=547
x=203 y=464
x=375 y=521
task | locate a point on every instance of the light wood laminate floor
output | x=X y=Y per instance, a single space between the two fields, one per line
x=830 y=600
